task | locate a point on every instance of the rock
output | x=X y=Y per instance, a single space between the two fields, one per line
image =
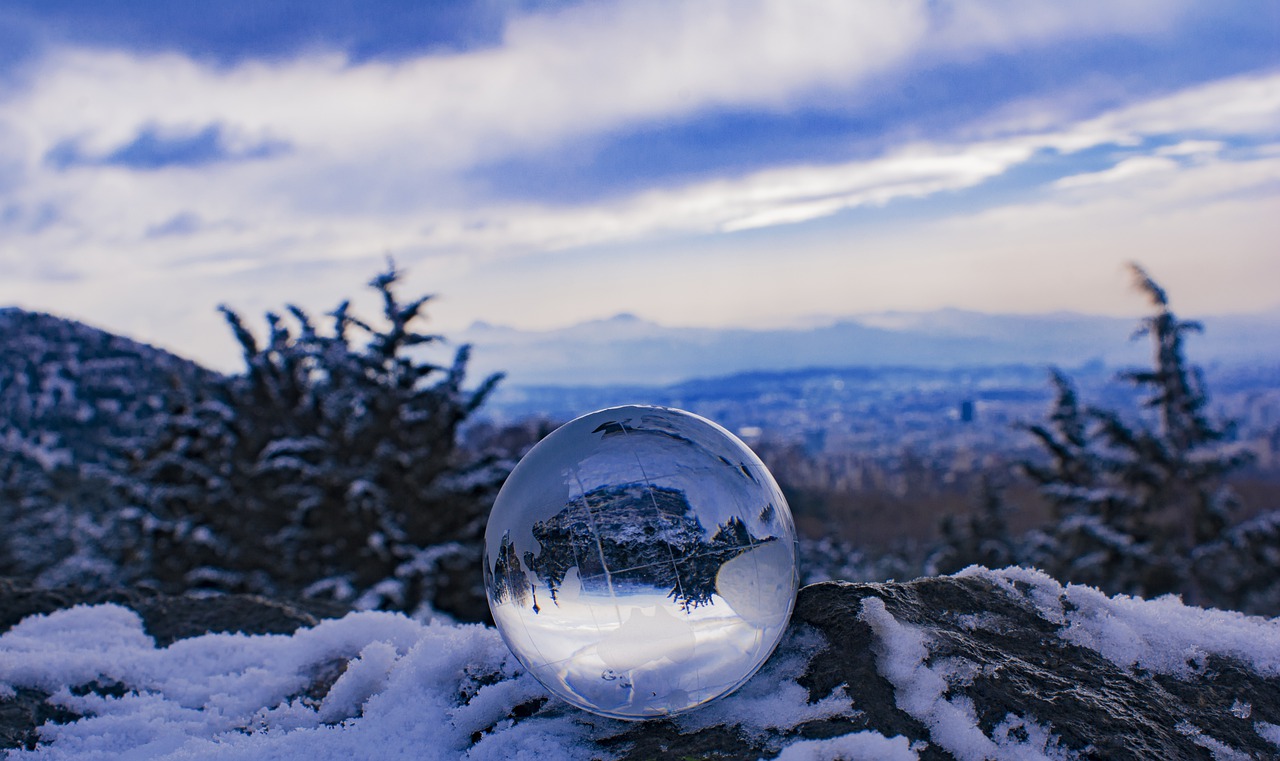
x=997 y=679
x=23 y=712
x=171 y=617
x=984 y=664
x=1008 y=659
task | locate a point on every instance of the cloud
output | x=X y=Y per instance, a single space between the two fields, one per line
x=778 y=196
x=163 y=165
x=1125 y=170
x=1192 y=148
x=1207 y=232
x=788 y=195
x=155 y=148
x=309 y=205
x=962 y=27
x=557 y=77
x=1242 y=106
x=233 y=31
x=27 y=219
x=182 y=223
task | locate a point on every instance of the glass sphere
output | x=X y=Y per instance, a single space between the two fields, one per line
x=641 y=561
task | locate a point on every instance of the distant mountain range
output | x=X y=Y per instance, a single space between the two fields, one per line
x=626 y=350
x=59 y=375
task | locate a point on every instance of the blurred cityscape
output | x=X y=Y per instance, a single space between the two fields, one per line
x=883 y=453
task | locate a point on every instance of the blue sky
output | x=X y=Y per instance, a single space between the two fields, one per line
x=712 y=163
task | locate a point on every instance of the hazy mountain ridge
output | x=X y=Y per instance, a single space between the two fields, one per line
x=627 y=350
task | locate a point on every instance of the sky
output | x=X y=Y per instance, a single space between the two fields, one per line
x=719 y=163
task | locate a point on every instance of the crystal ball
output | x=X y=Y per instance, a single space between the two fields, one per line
x=641 y=561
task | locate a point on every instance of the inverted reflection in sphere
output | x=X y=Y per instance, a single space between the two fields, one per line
x=640 y=561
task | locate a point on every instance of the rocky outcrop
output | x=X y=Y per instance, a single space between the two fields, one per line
x=1018 y=668
x=1005 y=664
x=996 y=666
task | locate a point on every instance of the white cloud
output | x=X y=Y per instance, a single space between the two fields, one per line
x=801 y=193
x=1239 y=106
x=767 y=198
x=248 y=206
x=376 y=148
x=380 y=151
x=380 y=136
x=581 y=71
x=1125 y=170
x=1192 y=148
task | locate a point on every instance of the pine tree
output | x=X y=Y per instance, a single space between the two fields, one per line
x=1134 y=496
x=1238 y=570
x=1186 y=450
x=331 y=466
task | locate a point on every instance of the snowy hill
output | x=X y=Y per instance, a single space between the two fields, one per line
x=75 y=402
x=981 y=665
x=69 y=388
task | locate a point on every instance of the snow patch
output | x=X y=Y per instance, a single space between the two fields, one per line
x=371 y=684
x=376 y=684
x=1221 y=751
x=773 y=699
x=1268 y=731
x=859 y=746
x=921 y=690
x=1163 y=636
x=365 y=677
x=408 y=691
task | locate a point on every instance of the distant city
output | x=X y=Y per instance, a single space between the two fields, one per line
x=920 y=438
x=885 y=410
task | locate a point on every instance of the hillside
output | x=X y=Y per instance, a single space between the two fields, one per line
x=68 y=389
x=75 y=402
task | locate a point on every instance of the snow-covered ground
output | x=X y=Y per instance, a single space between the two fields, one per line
x=412 y=690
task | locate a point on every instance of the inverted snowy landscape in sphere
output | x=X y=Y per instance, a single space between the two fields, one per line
x=641 y=561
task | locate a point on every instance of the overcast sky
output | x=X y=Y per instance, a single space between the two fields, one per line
x=710 y=163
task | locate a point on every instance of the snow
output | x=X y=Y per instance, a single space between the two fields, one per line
x=1269 y=732
x=1162 y=636
x=774 y=699
x=234 y=696
x=377 y=684
x=1219 y=750
x=859 y=746
x=921 y=690
x=406 y=690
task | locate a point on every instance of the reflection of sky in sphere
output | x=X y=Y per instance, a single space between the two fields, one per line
x=641 y=561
